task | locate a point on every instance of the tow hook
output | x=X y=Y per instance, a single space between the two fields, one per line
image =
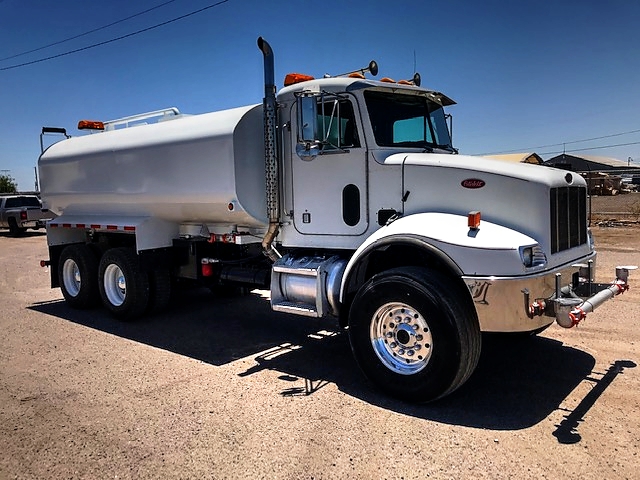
x=571 y=311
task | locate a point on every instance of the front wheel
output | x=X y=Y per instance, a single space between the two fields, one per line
x=414 y=334
x=124 y=288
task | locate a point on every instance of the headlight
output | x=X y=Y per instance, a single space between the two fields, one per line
x=533 y=256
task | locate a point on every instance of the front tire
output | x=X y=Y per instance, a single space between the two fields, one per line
x=124 y=288
x=78 y=276
x=414 y=333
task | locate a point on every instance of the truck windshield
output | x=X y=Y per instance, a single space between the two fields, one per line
x=400 y=120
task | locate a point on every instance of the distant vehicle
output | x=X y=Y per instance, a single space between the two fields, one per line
x=20 y=212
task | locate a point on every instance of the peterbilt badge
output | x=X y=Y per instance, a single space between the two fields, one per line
x=472 y=183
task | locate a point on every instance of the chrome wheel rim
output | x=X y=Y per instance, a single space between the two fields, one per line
x=71 y=277
x=401 y=338
x=115 y=285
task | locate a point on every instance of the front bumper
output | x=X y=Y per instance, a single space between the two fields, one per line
x=503 y=304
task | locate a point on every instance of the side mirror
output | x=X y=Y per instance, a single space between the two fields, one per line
x=308 y=142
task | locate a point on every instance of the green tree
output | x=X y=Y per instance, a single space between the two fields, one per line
x=8 y=184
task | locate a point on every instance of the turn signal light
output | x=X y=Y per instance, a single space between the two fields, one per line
x=473 y=220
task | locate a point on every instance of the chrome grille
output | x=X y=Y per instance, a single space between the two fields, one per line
x=568 y=217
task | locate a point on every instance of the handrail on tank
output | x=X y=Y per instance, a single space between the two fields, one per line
x=125 y=121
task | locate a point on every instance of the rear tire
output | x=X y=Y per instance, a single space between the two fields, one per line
x=414 y=334
x=78 y=276
x=14 y=229
x=159 y=290
x=124 y=288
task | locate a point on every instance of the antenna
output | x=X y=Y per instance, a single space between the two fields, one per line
x=372 y=68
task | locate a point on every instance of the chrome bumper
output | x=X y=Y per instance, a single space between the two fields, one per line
x=503 y=304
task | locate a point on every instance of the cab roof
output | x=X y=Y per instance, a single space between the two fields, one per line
x=346 y=84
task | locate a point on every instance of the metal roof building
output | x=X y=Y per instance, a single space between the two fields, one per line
x=519 y=158
x=592 y=163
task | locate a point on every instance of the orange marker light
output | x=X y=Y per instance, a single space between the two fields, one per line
x=90 y=125
x=293 y=78
x=473 y=220
x=387 y=80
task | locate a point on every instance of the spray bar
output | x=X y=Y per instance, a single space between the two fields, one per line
x=571 y=311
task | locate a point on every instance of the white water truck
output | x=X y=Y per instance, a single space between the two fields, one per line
x=345 y=197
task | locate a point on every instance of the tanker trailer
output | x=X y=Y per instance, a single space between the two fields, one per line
x=180 y=191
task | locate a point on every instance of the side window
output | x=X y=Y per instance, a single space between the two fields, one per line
x=336 y=122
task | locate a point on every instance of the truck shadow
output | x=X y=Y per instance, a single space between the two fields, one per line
x=28 y=233
x=517 y=383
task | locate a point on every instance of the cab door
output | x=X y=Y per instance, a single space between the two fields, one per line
x=329 y=168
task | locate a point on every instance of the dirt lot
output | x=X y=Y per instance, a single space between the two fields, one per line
x=620 y=207
x=225 y=388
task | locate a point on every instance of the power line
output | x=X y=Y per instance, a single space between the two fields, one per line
x=564 y=143
x=86 y=33
x=592 y=148
x=99 y=44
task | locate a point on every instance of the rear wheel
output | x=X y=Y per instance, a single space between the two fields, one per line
x=414 y=334
x=14 y=229
x=78 y=276
x=124 y=288
x=159 y=290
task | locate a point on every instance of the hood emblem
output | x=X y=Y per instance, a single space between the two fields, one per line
x=472 y=183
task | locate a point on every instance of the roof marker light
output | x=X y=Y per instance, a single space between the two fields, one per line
x=387 y=80
x=90 y=125
x=293 y=78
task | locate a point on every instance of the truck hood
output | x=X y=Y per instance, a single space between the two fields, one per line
x=516 y=196
x=488 y=167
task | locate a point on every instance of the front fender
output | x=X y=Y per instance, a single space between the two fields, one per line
x=490 y=250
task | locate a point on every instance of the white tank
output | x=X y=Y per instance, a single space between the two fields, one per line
x=190 y=169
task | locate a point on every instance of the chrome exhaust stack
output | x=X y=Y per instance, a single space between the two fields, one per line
x=270 y=152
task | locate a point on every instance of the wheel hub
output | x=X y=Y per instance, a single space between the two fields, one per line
x=71 y=277
x=115 y=285
x=401 y=338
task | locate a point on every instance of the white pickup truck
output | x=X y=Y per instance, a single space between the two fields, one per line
x=19 y=212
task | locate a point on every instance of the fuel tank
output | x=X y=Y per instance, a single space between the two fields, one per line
x=206 y=168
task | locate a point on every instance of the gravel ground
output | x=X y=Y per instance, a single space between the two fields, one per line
x=225 y=388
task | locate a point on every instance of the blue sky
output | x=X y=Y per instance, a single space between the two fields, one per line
x=524 y=73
